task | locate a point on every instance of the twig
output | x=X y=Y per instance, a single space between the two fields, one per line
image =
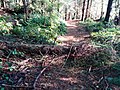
x=39 y=76
x=100 y=79
x=67 y=56
x=13 y=86
x=107 y=85
x=44 y=70
x=90 y=69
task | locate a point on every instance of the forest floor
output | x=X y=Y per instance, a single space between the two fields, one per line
x=29 y=67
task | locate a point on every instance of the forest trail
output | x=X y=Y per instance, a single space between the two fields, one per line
x=59 y=77
x=75 y=34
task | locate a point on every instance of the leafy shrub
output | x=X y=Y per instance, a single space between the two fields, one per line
x=95 y=27
x=40 y=29
x=5 y=26
x=102 y=35
x=115 y=78
x=117 y=48
x=108 y=36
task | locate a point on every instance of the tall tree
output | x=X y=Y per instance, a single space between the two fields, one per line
x=109 y=7
x=90 y=8
x=87 y=9
x=83 y=10
x=119 y=11
x=2 y=3
x=66 y=13
x=25 y=5
x=102 y=3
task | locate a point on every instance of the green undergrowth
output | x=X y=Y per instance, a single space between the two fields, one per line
x=5 y=26
x=115 y=78
x=105 y=36
x=37 y=29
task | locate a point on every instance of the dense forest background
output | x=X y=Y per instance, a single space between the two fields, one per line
x=66 y=9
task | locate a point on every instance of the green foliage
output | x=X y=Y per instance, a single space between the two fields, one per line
x=62 y=28
x=103 y=37
x=2 y=88
x=116 y=79
x=116 y=66
x=117 y=48
x=42 y=29
x=17 y=53
x=6 y=65
x=109 y=38
x=5 y=26
x=106 y=36
x=42 y=24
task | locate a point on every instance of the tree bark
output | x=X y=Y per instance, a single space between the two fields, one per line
x=87 y=9
x=90 y=8
x=119 y=18
x=119 y=12
x=25 y=2
x=109 y=8
x=102 y=2
x=83 y=10
x=58 y=6
x=2 y=3
x=65 y=13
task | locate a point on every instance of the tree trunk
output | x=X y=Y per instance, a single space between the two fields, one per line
x=25 y=2
x=87 y=9
x=58 y=6
x=65 y=13
x=109 y=7
x=2 y=3
x=119 y=12
x=83 y=10
x=102 y=9
x=90 y=8
x=119 y=18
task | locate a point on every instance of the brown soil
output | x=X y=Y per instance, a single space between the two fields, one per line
x=75 y=34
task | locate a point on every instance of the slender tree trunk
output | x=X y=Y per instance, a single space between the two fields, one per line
x=77 y=14
x=90 y=8
x=65 y=13
x=83 y=10
x=109 y=7
x=2 y=3
x=87 y=9
x=25 y=2
x=119 y=11
x=102 y=2
x=58 y=6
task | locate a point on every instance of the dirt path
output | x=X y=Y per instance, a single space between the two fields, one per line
x=75 y=34
x=58 y=77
